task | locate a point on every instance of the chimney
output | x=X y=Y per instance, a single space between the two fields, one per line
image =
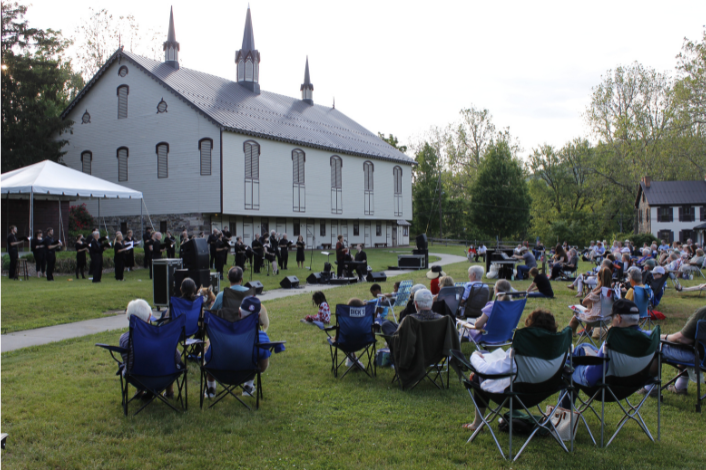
x=647 y=180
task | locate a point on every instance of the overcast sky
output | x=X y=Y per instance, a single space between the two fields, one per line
x=401 y=67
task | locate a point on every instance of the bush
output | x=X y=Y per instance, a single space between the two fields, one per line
x=80 y=218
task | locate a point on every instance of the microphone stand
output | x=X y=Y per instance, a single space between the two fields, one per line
x=311 y=261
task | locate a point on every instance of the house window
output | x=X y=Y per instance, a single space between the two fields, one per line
x=703 y=213
x=368 y=200
x=405 y=231
x=252 y=175
x=687 y=213
x=397 y=185
x=123 y=71
x=647 y=215
x=123 y=91
x=356 y=229
x=264 y=227
x=378 y=229
x=86 y=160
x=298 y=186
x=162 y=160
x=86 y=118
x=666 y=235
x=163 y=226
x=205 y=147
x=665 y=214
x=684 y=235
x=123 y=154
x=336 y=185
x=297 y=230
x=162 y=107
x=639 y=216
x=322 y=229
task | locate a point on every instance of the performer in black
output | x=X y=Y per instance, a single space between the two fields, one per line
x=81 y=249
x=274 y=241
x=170 y=243
x=212 y=239
x=52 y=246
x=361 y=256
x=257 y=247
x=40 y=253
x=183 y=237
x=129 y=254
x=12 y=242
x=146 y=238
x=156 y=249
x=284 y=245
x=340 y=255
x=271 y=254
x=95 y=249
x=301 y=246
x=221 y=252
x=226 y=239
x=240 y=253
x=119 y=256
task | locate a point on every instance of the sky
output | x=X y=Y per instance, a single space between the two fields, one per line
x=401 y=67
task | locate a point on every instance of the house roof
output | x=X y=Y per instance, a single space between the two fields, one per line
x=269 y=115
x=673 y=193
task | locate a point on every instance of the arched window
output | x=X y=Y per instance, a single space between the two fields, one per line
x=123 y=153
x=86 y=160
x=123 y=91
x=336 y=185
x=249 y=72
x=162 y=160
x=252 y=175
x=205 y=148
x=368 y=198
x=397 y=184
x=123 y=71
x=298 y=186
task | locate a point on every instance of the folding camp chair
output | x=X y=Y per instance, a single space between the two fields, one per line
x=658 y=286
x=353 y=332
x=477 y=299
x=233 y=355
x=501 y=325
x=626 y=365
x=540 y=357
x=451 y=297
x=432 y=350
x=403 y=293
x=151 y=364
x=568 y=273
x=192 y=310
x=607 y=299
x=643 y=298
x=698 y=349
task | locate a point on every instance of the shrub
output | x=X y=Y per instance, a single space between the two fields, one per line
x=80 y=218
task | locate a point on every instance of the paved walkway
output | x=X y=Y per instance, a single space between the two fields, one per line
x=50 y=334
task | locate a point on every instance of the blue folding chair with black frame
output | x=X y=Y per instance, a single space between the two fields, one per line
x=353 y=333
x=193 y=311
x=539 y=357
x=500 y=327
x=151 y=362
x=233 y=356
x=690 y=356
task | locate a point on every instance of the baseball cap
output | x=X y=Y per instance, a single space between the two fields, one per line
x=250 y=305
x=658 y=270
x=624 y=307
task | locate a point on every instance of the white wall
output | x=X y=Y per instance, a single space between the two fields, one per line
x=185 y=190
x=676 y=226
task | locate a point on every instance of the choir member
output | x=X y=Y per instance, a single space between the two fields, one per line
x=81 y=249
x=51 y=246
x=301 y=246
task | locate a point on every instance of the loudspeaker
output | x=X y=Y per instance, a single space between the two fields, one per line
x=215 y=282
x=376 y=277
x=163 y=279
x=314 y=278
x=195 y=254
x=327 y=267
x=289 y=282
x=422 y=242
x=255 y=286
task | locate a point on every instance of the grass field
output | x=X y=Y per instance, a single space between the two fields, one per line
x=37 y=302
x=61 y=408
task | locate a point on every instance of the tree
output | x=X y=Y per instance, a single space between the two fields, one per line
x=426 y=190
x=392 y=140
x=37 y=85
x=501 y=200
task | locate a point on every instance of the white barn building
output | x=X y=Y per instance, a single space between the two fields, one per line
x=206 y=151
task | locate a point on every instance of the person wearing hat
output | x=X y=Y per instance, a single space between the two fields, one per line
x=434 y=274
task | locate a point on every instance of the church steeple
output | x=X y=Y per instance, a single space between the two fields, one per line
x=307 y=88
x=171 y=46
x=247 y=59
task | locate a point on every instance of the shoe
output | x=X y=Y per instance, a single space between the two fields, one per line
x=249 y=390
x=210 y=392
x=678 y=287
x=654 y=392
x=168 y=395
x=570 y=286
x=677 y=391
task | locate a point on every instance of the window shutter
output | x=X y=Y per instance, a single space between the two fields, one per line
x=681 y=214
x=255 y=162
x=671 y=236
x=162 y=155
x=86 y=160
x=122 y=164
x=205 y=151
x=122 y=102
x=248 y=161
x=703 y=213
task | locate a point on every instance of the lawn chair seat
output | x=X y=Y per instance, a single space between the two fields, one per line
x=539 y=356
x=403 y=293
x=233 y=355
x=643 y=299
x=698 y=349
x=192 y=310
x=501 y=325
x=353 y=333
x=451 y=297
x=460 y=284
x=477 y=298
x=608 y=296
x=658 y=287
x=629 y=352
x=151 y=364
x=568 y=273
x=419 y=350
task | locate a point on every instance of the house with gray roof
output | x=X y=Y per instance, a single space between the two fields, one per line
x=208 y=151
x=672 y=210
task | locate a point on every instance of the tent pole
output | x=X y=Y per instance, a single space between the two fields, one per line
x=31 y=212
x=142 y=220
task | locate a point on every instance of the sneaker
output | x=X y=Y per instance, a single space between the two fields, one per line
x=677 y=391
x=249 y=390
x=654 y=393
x=210 y=392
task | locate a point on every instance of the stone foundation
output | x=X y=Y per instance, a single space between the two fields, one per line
x=175 y=223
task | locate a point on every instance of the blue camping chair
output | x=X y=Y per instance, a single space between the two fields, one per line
x=643 y=299
x=233 y=356
x=501 y=325
x=698 y=349
x=192 y=311
x=151 y=364
x=353 y=333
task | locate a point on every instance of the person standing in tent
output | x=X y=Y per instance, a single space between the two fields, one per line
x=12 y=243
x=52 y=246
x=81 y=249
x=95 y=249
x=40 y=253
x=119 y=256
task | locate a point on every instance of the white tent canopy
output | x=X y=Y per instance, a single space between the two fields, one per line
x=49 y=180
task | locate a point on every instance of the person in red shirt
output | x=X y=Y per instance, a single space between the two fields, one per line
x=434 y=274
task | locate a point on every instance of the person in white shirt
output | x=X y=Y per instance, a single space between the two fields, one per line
x=663 y=246
x=481 y=251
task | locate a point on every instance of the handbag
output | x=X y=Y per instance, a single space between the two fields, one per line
x=562 y=422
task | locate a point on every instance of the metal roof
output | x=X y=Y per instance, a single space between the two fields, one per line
x=673 y=193
x=268 y=115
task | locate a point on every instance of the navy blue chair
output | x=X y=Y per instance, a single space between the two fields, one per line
x=501 y=325
x=152 y=364
x=353 y=333
x=233 y=356
x=192 y=310
x=698 y=349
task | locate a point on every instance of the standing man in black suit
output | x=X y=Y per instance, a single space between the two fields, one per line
x=146 y=237
x=95 y=249
x=52 y=245
x=284 y=250
x=239 y=253
x=156 y=248
x=212 y=240
x=274 y=242
x=12 y=250
x=257 y=247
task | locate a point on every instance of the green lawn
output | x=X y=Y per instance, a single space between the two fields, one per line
x=37 y=303
x=61 y=408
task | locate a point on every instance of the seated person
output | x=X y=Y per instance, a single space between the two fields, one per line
x=439 y=306
x=380 y=300
x=480 y=296
x=142 y=310
x=482 y=250
x=434 y=274
x=423 y=300
x=501 y=287
x=188 y=289
x=539 y=318
x=694 y=263
x=409 y=308
x=235 y=278
x=530 y=262
x=590 y=278
x=355 y=302
x=593 y=302
x=250 y=306
x=444 y=281
x=324 y=313
x=635 y=279
x=540 y=283
x=557 y=262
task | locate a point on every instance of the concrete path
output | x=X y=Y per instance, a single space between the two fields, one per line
x=50 y=334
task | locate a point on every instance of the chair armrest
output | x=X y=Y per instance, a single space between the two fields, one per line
x=589 y=360
x=387 y=338
x=330 y=328
x=116 y=349
x=192 y=341
x=270 y=345
x=687 y=347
